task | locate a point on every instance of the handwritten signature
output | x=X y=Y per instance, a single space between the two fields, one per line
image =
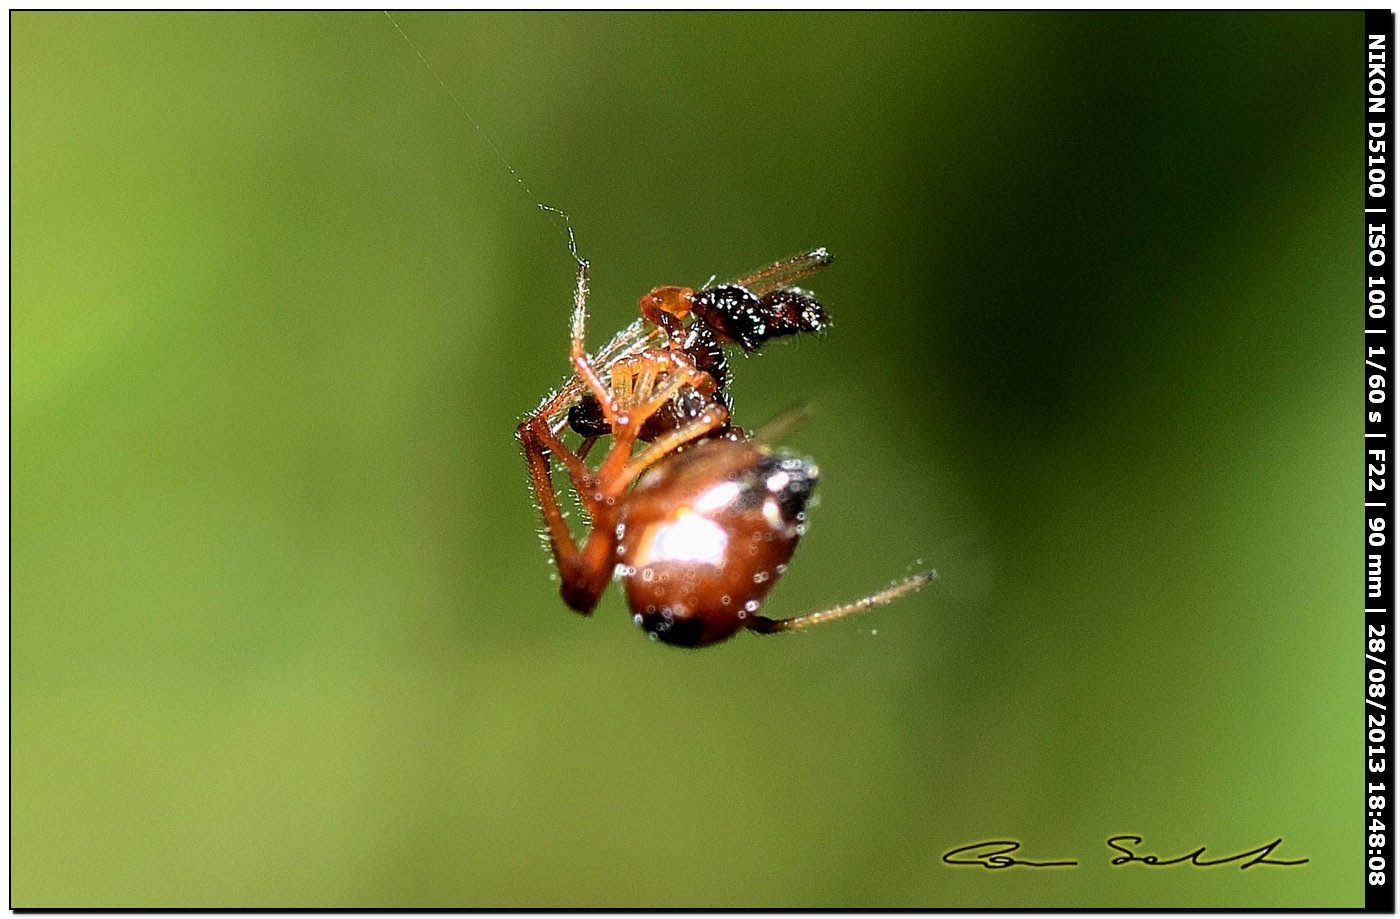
x=995 y=854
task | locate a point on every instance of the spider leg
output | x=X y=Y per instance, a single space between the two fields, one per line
x=583 y=364
x=766 y=626
x=658 y=397
x=637 y=385
x=626 y=343
x=583 y=572
x=714 y=417
x=584 y=480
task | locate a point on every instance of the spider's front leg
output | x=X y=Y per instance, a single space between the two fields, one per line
x=584 y=572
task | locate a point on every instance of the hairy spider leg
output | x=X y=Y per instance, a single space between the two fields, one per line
x=583 y=573
x=714 y=418
x=766 y=626
x=583 y=365
x=634 y=338
x=584 y=480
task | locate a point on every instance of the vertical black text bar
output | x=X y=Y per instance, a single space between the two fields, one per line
x=1379 y=360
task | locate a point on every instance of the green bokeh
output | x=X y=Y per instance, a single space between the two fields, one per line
x=282 y=633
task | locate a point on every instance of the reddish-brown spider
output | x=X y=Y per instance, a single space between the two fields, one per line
x=714 y=514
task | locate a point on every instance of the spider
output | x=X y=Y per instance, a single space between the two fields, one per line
x=701 y=521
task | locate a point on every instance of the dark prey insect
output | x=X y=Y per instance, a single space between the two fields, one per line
x=700 y=522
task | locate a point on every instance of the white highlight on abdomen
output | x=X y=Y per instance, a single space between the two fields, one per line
x=688 y=538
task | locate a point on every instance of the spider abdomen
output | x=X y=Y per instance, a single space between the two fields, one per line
x=706 y=534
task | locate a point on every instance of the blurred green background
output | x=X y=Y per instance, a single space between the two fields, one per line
x=282 y=632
